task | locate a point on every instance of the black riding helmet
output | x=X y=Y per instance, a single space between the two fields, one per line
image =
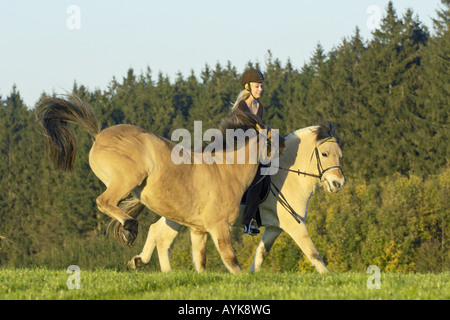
x=252 y=75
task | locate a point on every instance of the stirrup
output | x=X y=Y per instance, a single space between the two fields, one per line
x=251 y=229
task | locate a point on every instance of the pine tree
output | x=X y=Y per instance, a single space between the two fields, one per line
x=273 y=92
x=390 y=65
x=317 y=104
x=19 y=177
x=434 y=97
x=162 y=110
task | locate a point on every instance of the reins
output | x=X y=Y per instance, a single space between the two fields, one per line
x=298 y=172
x=280 y=197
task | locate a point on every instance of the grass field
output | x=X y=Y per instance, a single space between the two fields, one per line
x=107 y=284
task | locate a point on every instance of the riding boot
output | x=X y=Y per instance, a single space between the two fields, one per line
x=252 y=204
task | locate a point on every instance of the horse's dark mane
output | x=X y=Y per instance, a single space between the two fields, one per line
x=326 y=129
x=239 y=119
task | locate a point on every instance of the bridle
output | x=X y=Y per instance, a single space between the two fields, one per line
x=320 y=168
x=280 y=197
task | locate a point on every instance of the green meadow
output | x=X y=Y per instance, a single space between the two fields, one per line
x=106 y=284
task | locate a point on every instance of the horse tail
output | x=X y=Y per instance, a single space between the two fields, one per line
x=132 y=206
x=54 y=115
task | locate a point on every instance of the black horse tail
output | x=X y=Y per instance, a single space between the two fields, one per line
x=54 y=115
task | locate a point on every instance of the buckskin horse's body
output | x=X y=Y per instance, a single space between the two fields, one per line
x=132 y=161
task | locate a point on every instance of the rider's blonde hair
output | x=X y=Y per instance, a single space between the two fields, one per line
x=243 y=95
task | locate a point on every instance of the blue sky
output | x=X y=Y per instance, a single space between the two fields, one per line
x=46 y=46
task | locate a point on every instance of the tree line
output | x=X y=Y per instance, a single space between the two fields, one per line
x=388 y=97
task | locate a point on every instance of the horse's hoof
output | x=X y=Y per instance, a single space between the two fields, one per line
x=135 y=263
x=130 y=231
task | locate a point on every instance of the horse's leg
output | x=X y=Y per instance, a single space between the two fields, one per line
x=108 y=202
x=220 y=234
x=161 y=235
x=300 y=235
x=198 y=240
x=144 y=257
x=165 y=235
x=267 y=239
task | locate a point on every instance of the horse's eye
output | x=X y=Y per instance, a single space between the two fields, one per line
x=324 y=154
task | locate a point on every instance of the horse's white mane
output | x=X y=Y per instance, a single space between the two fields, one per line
x=300 y=132
x=292 y=140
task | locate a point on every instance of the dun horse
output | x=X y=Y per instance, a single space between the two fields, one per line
x=312 y=156
x=136 y=165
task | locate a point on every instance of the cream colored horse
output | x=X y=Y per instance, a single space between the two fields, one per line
x=314 y=151
x=132 y=161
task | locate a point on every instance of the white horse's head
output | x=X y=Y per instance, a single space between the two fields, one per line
x=328 y=155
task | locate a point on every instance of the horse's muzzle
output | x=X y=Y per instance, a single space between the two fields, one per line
x=333 y=182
